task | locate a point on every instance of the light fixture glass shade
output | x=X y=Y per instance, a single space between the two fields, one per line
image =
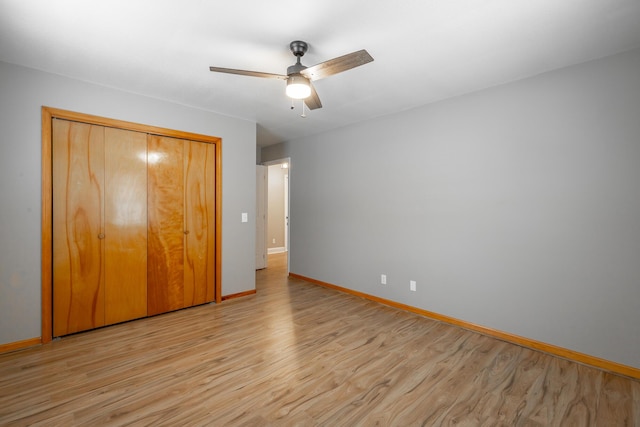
x=298 y=87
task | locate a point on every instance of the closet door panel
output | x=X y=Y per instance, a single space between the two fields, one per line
x=125 y=225
x=199 y=268
x=165 y=272
x=78 y=195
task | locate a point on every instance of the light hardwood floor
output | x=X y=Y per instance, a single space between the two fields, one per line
x=300 y=354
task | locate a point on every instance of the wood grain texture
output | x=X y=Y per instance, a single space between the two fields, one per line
x=49 y=114
x=300 y=354
x=122 y=124
x=199 y=255
x=574 y=356
x=165 y=254
x=78 y=209
x=125 y=225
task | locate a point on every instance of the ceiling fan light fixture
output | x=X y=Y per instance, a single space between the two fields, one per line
x=298 y=87
x=299 y=77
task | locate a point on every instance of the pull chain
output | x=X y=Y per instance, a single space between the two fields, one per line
x=303 y=115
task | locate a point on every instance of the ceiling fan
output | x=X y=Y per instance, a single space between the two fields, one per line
x=299 y=77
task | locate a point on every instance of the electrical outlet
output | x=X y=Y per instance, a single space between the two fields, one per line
x=412 y=285
x=383 y=279
x=273 y=241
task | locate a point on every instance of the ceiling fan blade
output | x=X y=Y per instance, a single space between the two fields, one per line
x=337 y=65
x=313 y=101
x=248 y=73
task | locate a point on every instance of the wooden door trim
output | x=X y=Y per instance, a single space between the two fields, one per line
x=47 y=227
x=48 y=114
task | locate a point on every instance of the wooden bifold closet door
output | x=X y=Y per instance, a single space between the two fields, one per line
x=181 y=194
x=125 y=225
x=134 y=229
x=165 y=269
x=199 y=219
x=99 y=226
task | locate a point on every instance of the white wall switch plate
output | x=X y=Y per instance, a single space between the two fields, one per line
x=412 y=285
x=383 y=279
x=245 y=217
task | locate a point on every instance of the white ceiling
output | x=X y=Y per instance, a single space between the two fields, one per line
x=424 y=50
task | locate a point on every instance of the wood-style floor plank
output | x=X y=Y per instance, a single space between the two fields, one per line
x=295 y=354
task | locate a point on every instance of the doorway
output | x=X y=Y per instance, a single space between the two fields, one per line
x=277 y=201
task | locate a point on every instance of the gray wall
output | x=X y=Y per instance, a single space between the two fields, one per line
x=516 y=208
x=22 y=93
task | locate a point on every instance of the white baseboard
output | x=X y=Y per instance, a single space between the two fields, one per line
x=276 y=250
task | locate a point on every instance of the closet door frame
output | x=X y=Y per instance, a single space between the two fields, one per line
x=48 y=114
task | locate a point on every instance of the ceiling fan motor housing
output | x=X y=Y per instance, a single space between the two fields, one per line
x=295 y=69
x=298 y=48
